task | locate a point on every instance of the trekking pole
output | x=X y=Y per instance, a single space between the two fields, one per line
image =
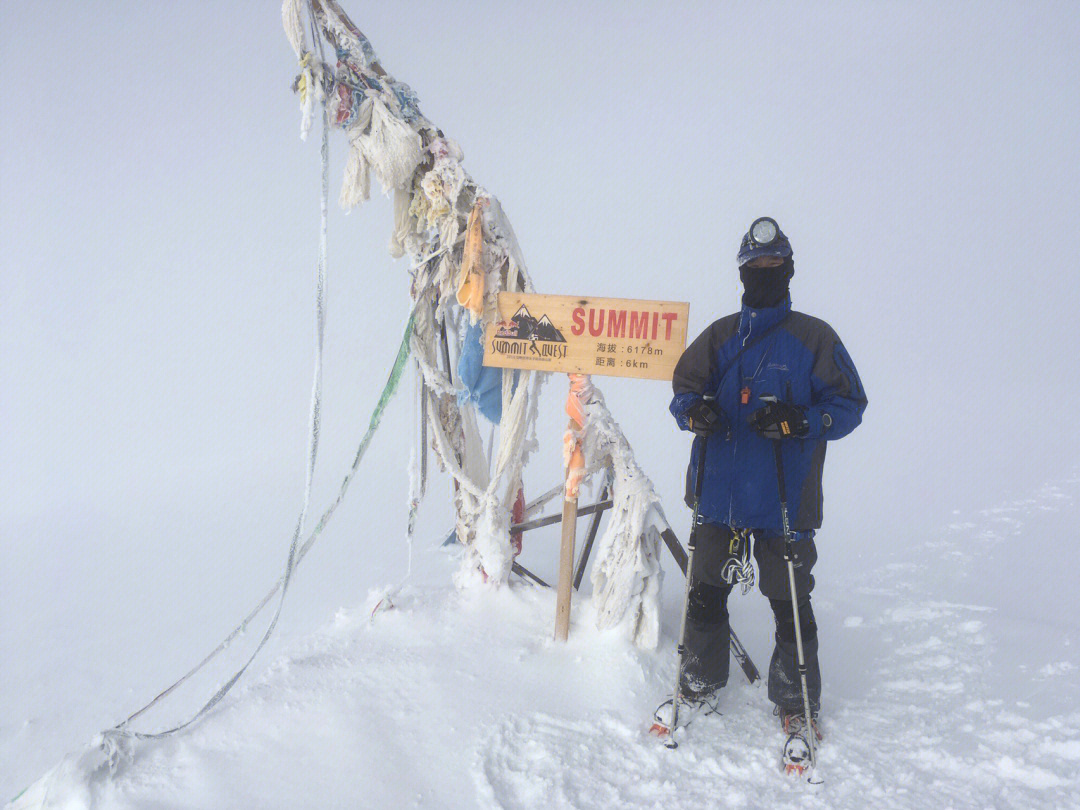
x=788 y=556
x=702 y=442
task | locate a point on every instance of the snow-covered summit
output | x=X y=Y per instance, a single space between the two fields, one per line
x=461 y=699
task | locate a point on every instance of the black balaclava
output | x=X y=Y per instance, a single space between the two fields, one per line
x=766 y=286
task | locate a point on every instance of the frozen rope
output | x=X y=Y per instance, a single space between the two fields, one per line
x=417 y=464
x=292 y=18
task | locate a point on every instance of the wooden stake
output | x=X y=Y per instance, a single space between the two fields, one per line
x=566 y=566
x=580 y=396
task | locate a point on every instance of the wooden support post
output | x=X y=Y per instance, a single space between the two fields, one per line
x=590 y=536
x=580 y=395
x=535 y=505
x=566 y=567
x=522 y=571
x=675 y=547
x=547 y=520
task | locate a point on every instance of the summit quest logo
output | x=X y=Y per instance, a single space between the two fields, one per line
x=525 y=335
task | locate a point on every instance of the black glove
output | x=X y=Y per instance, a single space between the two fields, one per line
x=705 y=418
x=779 y=420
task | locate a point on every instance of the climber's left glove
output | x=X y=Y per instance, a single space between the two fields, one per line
x=779 y=420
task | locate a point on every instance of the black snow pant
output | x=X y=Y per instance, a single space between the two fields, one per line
x=708 y=633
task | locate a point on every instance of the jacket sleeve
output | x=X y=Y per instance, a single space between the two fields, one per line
x=836 y=390
x=695 y=374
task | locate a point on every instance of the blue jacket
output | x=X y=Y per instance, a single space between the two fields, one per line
x=803 y=362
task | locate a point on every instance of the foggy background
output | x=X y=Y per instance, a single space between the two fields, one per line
x=158 y=235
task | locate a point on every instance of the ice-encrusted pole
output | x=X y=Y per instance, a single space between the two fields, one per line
x=463 y=252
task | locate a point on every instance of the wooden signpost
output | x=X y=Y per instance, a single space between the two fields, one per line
x=617 y=337
x=582 y=336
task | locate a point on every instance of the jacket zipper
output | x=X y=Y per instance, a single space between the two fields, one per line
x=735 y=437
x=735 y=432
x=734 y=457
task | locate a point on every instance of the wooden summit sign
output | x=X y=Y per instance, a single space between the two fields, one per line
x=617 y=337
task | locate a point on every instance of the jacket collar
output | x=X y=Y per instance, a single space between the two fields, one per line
x=755 y=321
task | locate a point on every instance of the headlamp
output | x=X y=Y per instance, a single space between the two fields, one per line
x=764 y=239
x=764 y=231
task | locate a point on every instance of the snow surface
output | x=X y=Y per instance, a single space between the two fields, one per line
x=461 y=699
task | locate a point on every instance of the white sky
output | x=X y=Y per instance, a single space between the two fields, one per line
x=158 y=230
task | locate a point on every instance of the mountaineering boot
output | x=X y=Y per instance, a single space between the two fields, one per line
x=793 y=721
x=797 y=758
x=690 y=707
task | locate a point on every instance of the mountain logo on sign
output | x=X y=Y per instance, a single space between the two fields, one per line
x=524 y=326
